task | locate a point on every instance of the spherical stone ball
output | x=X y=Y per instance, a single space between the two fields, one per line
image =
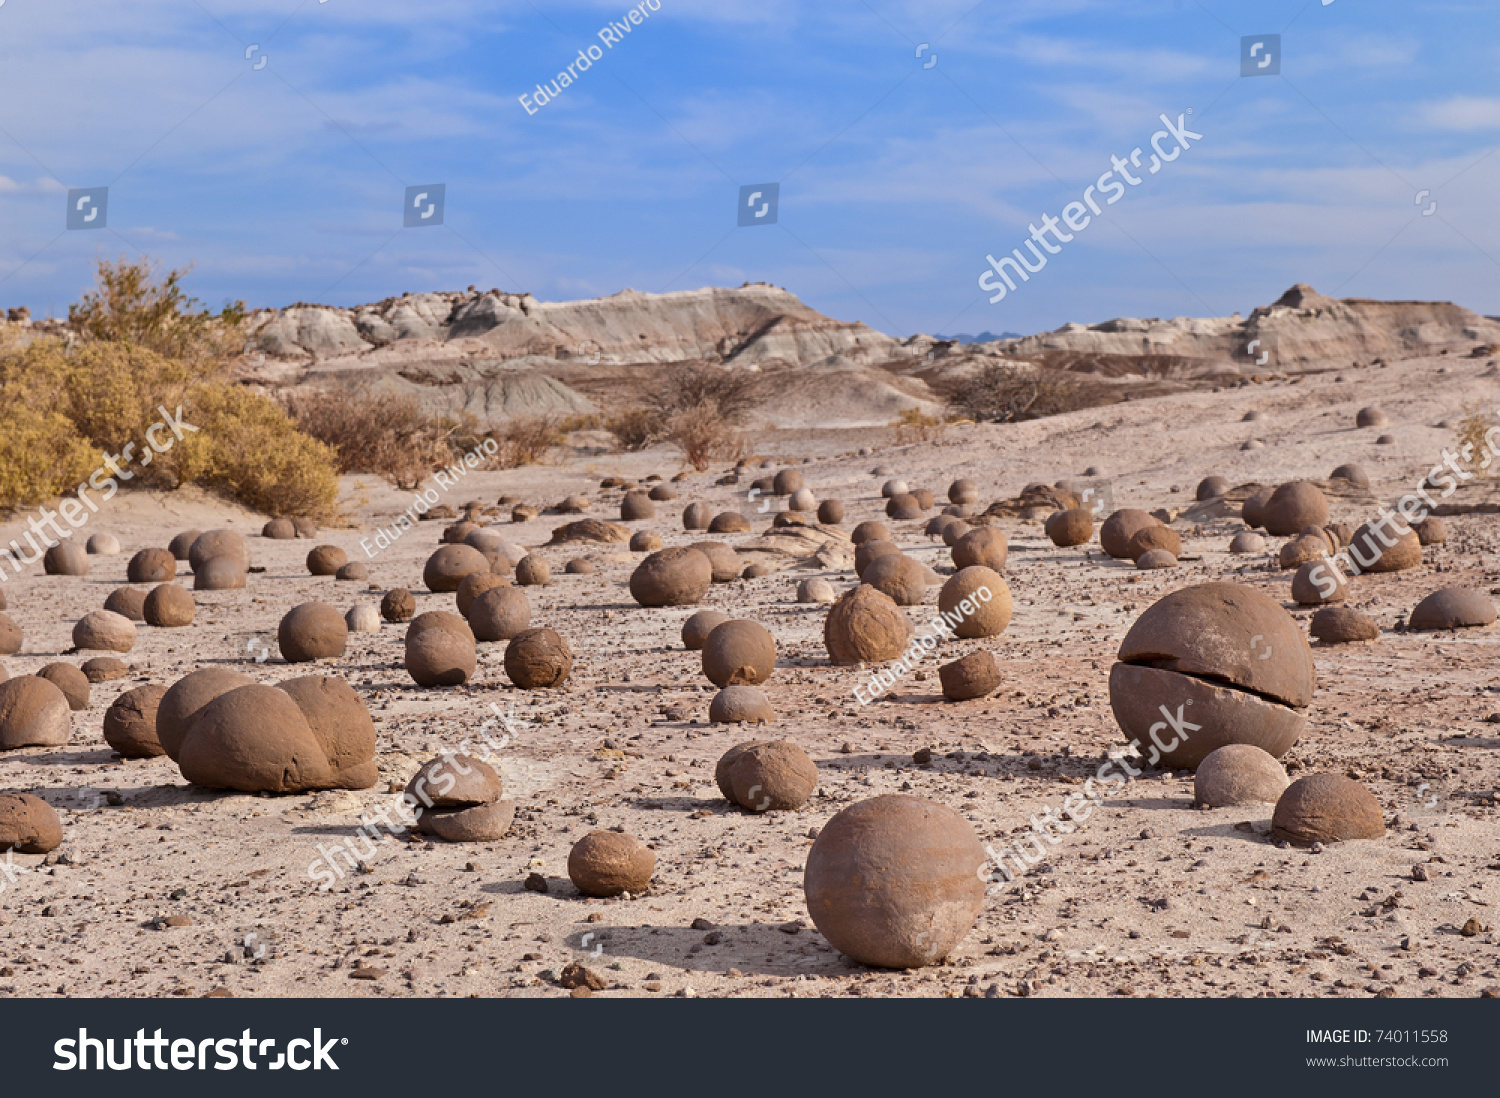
x=169 y=606
x=219 y=574
x=279 y=529
x=439 y=657
x=866 y=553
x=865 y=626
x=1154 y=537
x=499 y=614
x=1452 y=608
x=151 y=566
x=894 y=488
x=362 y=619
x=869 y=531
x=637 y=506
x=11 y=637
x=897 y=575
x=1341 y=625
x=608 y=863
x=487 y=823
x=448 y=566
x=1211 y=488
x=355 y=570
x=454 y=781
x=663 y=493
x=28 y=824
x=219 y=543
x=729 y=522
x=1075 y=526
x=963 y=491
x=582 y=566
x=895 y=881
x=71 y=681
x=802 y=500
x=924 y=498
x=739 y=653
x=955 y=531
x=1326 y=808
x=1318 y=582
x=483 y=539
x=1153 y=560
x=1431 y=531
x=816 y=589
x=644 y=541
x=1354 y=474
x=788 y=482
x=1120 y=527
x=1253 y=510
x=1238 y=774
x=457 y=533
x=740 y=705
x=973 y=676
x=1390 y=547
x=1302 y=550
x=180 y=546
x=312 y=631
x=981 y=599
x=66 y=558
x=305 y=527
x=769 y=777
x=398 y=605
x=984 y=546
x=179 y=707
x=538 y=659
x=326 y=560
x=342 y=726
x=1247 y=541
x=697 y=516
x=254 y=739
x=672 y=577
x=696 y=629
x=1294 y=505
x=1371 y=417
x=474 y=585
x=33 y=713
x=103 y=631
x=937 y=524
x=724 y=560
x=903 y=507
x=104 y=545
x=756 y=570
x=130 y=722
x=104 y=669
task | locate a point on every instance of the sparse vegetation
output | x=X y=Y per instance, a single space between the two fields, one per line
x=636 y=428
x=1471 y=432
x=914 y=425
x=704 y=436
x=1009 y=392
x=697 y=406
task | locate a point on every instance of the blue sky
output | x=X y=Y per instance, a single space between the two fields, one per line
x=897 y=174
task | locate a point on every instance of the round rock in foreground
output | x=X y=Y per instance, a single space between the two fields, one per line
x=740 y=705
x=895 y=882
x=33 y=713
x=1120 y=527
x=440 y=649
x=128 y=602
x=672 y=577
x=151 y=566
x=104 y=631
x=312 y=631
x=1342 y=625
x=28 y=824
x=739 y=653
x=607 y=863
x=1326 y=808
x=865 y=626
x=398 y=605
x=71 y=681
x=1452 y=608
x=1238 y=774
x=538 y=659
x=169 y=606
x=1074 y=526
x=130 y=722
x=454 y=781
x=767 y=777
x=973 y=676
x=362 y=619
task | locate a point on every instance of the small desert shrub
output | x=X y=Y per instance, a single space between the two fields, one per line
x=40 y=455
x=914 y=425
x=1006 y=392
x=1471 y=432
x=591 y=421
x=704 y=436
x=636 y=428
x=389 y=435
x=689 y=386
x=526 y=440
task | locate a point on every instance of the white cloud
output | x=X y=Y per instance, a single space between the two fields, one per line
x=1461 y=114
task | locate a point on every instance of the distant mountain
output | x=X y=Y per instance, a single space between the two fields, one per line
x=982 y=337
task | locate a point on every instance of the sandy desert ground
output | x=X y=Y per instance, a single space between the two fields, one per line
x=1150 y=897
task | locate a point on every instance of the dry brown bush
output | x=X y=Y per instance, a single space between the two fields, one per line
x=704 y=436
x=1005 y=392
x=688 y=386
x=387 y=435
x=914 y=425
x=636 y=428
x=526 y=440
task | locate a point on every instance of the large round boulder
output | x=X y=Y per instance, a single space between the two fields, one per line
x=33 y=713
x=1292 y=506
x=130 y=722
x=672 y=577
x=1452 y=608
x=312 y=631
x=169 y=606
x=739 y=653
x=1120 y=527
x=1326 y=808
x=609 y=863
x=151 y=566
x=28 y=825
x=865 y=626
x=984 y=546
x=219 y=543
x=1238 y=774
x=979 y=598
x=103 y=631
x=185 y=699
x=538 y=659
x=448 y=566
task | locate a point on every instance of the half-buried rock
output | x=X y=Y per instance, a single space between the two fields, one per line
x=457 y=799
x=33 y=713
x=1385 y=547
x=1452 y=608
x=538 y=659
x=219 y=543
x=1342 y=625
x=1154 y=560
x=169 y=606
x=1294 y=505
x=104 y=669
x=740 y=705
x=609 y=863
x=897 y=575
x=895 y=881
x=1208 y=666
x=672 y=577
x=739 y=653
x=280 y=529
x=440 y=647
x=973 y=676
x=312 y=631
x=1238 y=774
x=219 y=574
x=865 y=626
x=724 y=560
x=816 y=589
x=1120 y=527
x=776 y=776
x=1150 y=538
x=71 y=681
x=103 y=631
x=326 y=560
x=28 y=824
x=186 y=698
x=1326 y=808
x=130 y=722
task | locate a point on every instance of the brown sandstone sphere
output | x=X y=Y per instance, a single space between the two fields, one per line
x=11 y=636
x=1238 y=774
x=866 y=553
x=538 y=659
x=740 y=705
x=151 y=566
x=66 y=558
x=180 y=546
x=644 y=541
x=937 y=524
x=499 y=614
x=831 y=512
x=981 y=597
x=1371 y=417
x=963 y=491
x=170 y=606
x=769 y=777
x=903 y=507
x=985 y=547
x=1302 y=550
x=788 y=482
x=305 y=527
x=672 y=577
x=1341 y=625
x=484 y=540
x=582 y=566
x=342 y=726
x=696 y=629
x=1452 y=608
x=663 y=493
x=448 y=566
x=104 y=669
x=1253 y=510
x=955 y=531
x=441 y=655
x=739 y=653
x=1326 y=808
x=326 y=560
x=474 y=585
x=897 y=575
x=893 y=488
x=253 y=739
x=1154 y=560
x=1247 y=542
x=1318 y=582
x=71 y=681
x=636 y=507
x=103 y=631
x=1154 y=537
x=816 y=589
x=724 y=561
x=1074 y=526
x=219 y=543
x=973 y=676
x=1294 y=505
x=398 y=605
x=103 y=545
x=608 y=863
x=697 y=516
x=757 y=570
x=1211 y=488
x=895 y=882
x=486 y=823
x=312 y=631
x=33 y=713
x=865 y=626
x=1398 y=550
x=130 y=722
x=458 y=532
x=802 y=500
x=1431 y=531
x=281 y=529
x=28 y=824
x=219 y=574
x=1120 y=527
x=729 y=522
x=454 y=781
x=870 y=531
x=179 y=707
x=1354 y=474
x=533 y=571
